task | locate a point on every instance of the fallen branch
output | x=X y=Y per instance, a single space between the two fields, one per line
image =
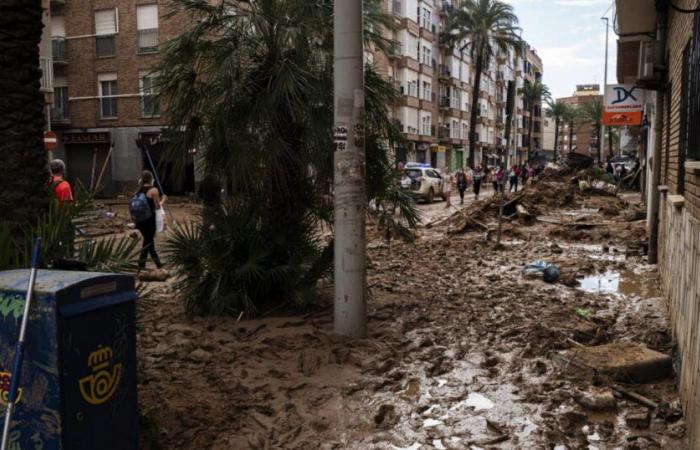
x=634 y=396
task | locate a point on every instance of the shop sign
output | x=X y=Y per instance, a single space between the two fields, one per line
x=87 y=138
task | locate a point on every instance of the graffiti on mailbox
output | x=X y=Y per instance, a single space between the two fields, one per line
x=100 y=385
x=5 y=380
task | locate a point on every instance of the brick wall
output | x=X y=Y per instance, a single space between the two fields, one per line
x=84 y=66
x=680 y=32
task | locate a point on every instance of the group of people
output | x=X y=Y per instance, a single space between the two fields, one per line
x=518 y=174
x=60 y=190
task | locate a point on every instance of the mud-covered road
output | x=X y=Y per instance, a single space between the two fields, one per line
x=459 y=352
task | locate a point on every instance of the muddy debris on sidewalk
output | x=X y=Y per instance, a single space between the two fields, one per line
x=461 y=350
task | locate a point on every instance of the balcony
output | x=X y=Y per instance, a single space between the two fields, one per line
x=444 y=102
x=46 y=66
x=395 y=49
x=58 y=50
x=446 y=8
x=443 y=132
x=444 y=71
x=59 y=114
x=148 y=40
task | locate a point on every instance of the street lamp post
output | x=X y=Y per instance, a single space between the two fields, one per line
x=605 y=83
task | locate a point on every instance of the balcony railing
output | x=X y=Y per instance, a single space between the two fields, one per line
x=148 y=40
x=46 y=66
x=58 y=48
x=396 y=49
x=443 y=71
x=444 y=102
x=59 y=113
x=446 y=7
x=444 y=132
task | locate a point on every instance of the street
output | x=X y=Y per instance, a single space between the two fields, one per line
x=462 y=350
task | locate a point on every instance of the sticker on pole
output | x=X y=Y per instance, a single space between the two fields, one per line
x=340 y=138
x=623 y=105
x=50 y=140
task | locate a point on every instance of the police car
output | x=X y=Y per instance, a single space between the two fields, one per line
x=426 y=182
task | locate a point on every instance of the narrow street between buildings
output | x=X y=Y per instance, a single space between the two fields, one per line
x=464 y=351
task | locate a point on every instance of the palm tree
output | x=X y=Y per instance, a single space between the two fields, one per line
x=556 y=110
x=483 y=26
x=571 y=116
x=592 y=113
x=533 y=94
x=250 y=85
x=23 y=194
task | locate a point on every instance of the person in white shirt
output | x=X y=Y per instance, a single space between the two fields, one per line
x=447 y=187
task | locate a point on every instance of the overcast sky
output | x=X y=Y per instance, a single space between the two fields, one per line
x=570 y=38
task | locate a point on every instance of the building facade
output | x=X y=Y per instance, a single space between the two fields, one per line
x=659 y=52
x=583 y=139
x=104 y=52
x=436 y=82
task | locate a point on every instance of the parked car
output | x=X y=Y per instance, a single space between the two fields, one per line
x=426 y=182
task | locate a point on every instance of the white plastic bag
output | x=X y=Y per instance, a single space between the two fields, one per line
x=160 y=220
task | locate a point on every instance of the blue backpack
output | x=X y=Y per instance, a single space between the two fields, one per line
x=139 y=209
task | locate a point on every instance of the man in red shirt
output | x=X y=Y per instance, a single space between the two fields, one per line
x=60 y=188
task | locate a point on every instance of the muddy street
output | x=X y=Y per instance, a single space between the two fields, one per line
x=463 y=350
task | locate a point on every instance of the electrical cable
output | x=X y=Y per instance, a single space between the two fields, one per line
x=682 y=10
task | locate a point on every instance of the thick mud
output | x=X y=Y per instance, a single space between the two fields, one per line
x=460 y=354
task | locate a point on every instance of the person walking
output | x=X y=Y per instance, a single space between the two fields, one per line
x=147 y=227
x=494 y=179
x=447 y=188
x=501 y=178
x=513 y=179
x=461 y=180
x=477 y=177
x=60 y=188
x=523 y=174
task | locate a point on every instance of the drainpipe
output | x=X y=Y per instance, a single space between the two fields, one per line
x=653 y=213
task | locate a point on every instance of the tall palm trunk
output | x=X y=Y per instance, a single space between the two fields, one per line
x=475 y=105
x=529 y=133
x=571 y=136
x=600 y=150
x=23 y=193
x=556 y=138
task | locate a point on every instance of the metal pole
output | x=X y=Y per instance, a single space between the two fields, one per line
x=350 y=312
x=48 y=128
x=605 y=80
x=653 y=212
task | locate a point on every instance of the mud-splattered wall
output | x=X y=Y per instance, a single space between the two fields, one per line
x=679 y=265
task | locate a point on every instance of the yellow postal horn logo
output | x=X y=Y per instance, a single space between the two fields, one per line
x=5 y=381
x=100 y=385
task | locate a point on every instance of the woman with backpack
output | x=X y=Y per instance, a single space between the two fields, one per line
x=143 y=207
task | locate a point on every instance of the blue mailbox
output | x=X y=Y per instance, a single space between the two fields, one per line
x=78 y=383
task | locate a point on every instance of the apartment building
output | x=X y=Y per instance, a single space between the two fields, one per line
x=659 y=52
x=436 y=86
x=104 y=52
x=583 y=139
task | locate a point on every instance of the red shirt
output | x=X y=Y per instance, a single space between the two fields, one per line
x=62 y=191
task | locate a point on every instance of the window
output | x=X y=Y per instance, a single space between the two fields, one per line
x=427 y=56
x=107 y=89
x=427 y=91
x=455 y=129
x=456 y=96
x=693 y=94
x=105 y=32
x=413 y=88
x=426 y=18
x=150 y=104
x=425 y=125
x=59 y=110
x=147 y=28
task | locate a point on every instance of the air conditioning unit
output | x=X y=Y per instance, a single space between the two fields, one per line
x=648 y=54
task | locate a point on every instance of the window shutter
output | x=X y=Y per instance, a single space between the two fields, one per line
x=147 y=17
x=105 y=23
x=58 y=27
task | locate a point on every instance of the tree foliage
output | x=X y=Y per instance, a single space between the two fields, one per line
x=558 y=111
x=533 y=94
x=250 y=85
x=482 y=26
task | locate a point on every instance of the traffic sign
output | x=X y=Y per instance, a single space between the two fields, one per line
x=50 y=140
